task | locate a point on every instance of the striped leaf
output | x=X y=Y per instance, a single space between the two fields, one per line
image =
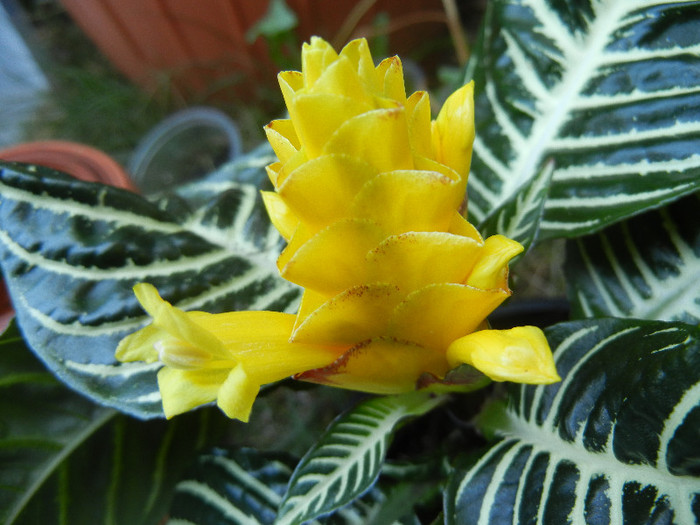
x=232 y=487
x=246 y=486
x=647 y=267
x=33 y=406
x=607 y=89
x=519 y=217
x=615 y=442
x=346 y=461
x=67 y=460
x=71 y=252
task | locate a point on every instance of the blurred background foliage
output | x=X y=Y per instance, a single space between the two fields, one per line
x=93 y=103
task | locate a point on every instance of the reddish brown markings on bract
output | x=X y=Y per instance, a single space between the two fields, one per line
x=357 y=291
x=337 y=366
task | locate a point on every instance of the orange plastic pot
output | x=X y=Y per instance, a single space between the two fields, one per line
x=196 y=46
x=82 y=162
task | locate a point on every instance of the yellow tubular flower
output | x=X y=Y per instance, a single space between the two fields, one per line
x=223 y=357
x=397 y=284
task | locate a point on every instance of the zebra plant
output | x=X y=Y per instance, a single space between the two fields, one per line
x=587 y=129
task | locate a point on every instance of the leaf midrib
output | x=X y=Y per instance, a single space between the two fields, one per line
x=378 y=434
x=594 y=462
x=52 y=465
x=565 y=93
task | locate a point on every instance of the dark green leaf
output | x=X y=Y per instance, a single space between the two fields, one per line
x=67 y=460
x=71 y=252
x=232 y=487
x=519 y=217
x=41 y=424
x=608 y=90
x=125 y=473
x=347 y=460
x=647 y=267
x=614 y=442
x=246 y=486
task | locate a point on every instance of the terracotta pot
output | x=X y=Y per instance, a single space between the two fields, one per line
x=83 y=162
x=197 y=46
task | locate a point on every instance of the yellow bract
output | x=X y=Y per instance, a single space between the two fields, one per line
x=397 y=284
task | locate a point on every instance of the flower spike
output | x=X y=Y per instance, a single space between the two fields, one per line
x=397 y=283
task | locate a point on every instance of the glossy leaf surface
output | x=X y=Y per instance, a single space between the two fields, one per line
x=346 y=461
x=72 y=251
x=519 y=217
x=647 y=267
x=614 y=442
x=608 y=90
x=246 y=486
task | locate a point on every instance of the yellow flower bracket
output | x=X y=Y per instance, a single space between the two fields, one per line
x=397 y=283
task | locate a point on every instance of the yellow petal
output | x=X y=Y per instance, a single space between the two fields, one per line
x=380 y=366
x=140 y=346
x=321 y=190
x=259 y=351
x=390 y=75
x=491 y=271
x=259 y=341
x=301 y=235
x=282 y=171
x=175 y=322
x=379 y=137
x=358 y=53
x=310 y=302
x=290 y=83
x=283 y=139
x=316 y=56
x=418 y=115
x=281 y=216
x=416 y=259
x=438 y=314
x=453 y=130
x=334 y=259
x=273 y=171
x=248 y=328
x=179 y=354
x=237 y=394
x=520 y=354
x=460 y=226
x=183 y=390
x=357 y=314
x=410 y=200
x=342 y=78
x=268 y=363
x=426 y=164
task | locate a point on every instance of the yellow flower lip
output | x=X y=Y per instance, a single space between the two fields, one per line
x=520 y=354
